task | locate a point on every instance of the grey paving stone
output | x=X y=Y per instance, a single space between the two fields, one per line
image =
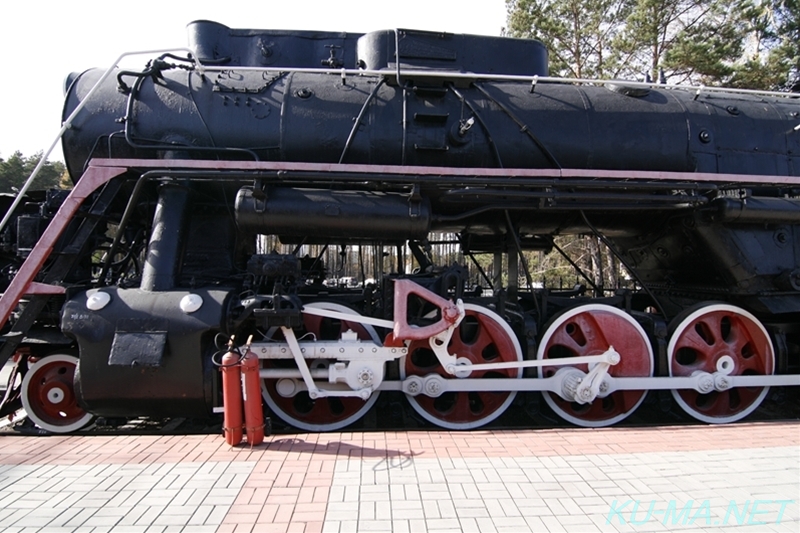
x=217 y=515
x=330 y=526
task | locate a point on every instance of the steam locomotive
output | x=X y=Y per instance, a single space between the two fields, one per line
x=217 y=189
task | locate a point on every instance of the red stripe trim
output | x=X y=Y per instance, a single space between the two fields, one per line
x=567 y=173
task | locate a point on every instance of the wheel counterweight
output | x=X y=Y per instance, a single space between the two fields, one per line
x=48 y=395
x=720 y=338
x=323 y=414
x=591 y=330
x=482 y=337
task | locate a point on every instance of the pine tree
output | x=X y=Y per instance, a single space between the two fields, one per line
x=578 y=34
x=688 y=40
x=771 y=59
x=16 y=170
x=740 y=43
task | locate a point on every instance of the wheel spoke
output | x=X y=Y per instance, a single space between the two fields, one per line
x=696 y=341
x=461 y=410
x=572 y=336
x=474 y=348
x=739 y=336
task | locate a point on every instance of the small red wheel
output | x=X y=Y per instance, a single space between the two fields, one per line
x=48 y=395
x=323 y=414
x=716 y=337
x=482 y=337
x=590 y=330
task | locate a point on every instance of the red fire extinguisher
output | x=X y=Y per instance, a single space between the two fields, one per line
x=232 y=396
x=253 y=410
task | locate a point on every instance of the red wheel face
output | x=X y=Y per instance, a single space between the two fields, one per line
x=482 y=337
x=590 y=330
x=49 y=397
x=714 y=337
x=324 y=414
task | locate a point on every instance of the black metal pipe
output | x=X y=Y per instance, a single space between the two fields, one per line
x=166 y=239
x=317 y=213
x=329 y=177
x=357 y=122
x=757 y=210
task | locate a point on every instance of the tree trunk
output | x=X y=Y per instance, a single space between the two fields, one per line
x=612 y=270
x=596 y=260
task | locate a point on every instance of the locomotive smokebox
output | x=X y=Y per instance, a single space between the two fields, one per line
x=350 y=215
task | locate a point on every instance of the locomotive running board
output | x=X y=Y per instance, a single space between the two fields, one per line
x=331 y=170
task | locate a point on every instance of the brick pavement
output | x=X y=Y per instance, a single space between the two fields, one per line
x=742 y=477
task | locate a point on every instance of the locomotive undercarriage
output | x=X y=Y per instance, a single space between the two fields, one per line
x=142 y=322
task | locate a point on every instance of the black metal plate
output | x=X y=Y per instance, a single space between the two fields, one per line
x=138 y=348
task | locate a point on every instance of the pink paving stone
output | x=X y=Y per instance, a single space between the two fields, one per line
x=281 y=499
x=321 y=494
x=313 y=527
x=317 y=480
x=286 y=491
x=296 y=527
x=267 y=514
x=306 y=495
x=310 y=508
x=325 y=467
x=296 y=465
x=284 y=513
x=245 y=494
x=272 y=528
x=296 y=479
x=245 y=509
x=283 y=479
x=260 y=481
x=240 y=518
x=260 y=496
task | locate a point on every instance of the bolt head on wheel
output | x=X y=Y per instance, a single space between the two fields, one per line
x=365 y=377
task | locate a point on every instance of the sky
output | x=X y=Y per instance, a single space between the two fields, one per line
x=43 y=41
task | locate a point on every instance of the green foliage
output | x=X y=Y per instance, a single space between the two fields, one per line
x=16 y=169
x=578 y=34
x=772 y=59
x=690 y=40
x=740 y=43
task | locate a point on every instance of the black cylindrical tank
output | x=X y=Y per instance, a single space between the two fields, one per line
x=394 y=117
x=353 y=215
